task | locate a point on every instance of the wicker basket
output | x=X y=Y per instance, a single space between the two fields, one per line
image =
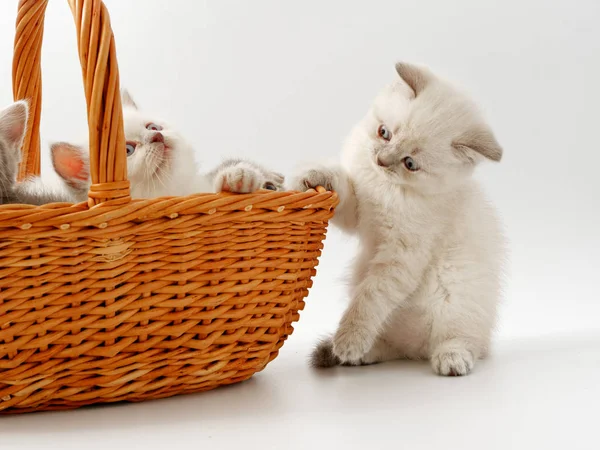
x=119 y=299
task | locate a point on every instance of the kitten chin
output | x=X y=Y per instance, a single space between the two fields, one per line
x=427 y=280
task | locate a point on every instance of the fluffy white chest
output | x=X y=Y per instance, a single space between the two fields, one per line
x=388 y=215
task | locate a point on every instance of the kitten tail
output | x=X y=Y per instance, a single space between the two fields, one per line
x=322 y=356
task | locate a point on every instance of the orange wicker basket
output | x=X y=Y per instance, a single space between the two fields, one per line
x=120 y=299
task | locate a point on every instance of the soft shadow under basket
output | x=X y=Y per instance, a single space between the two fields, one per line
x=120 y=299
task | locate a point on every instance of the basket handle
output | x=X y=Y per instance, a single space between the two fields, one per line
x=97 y=54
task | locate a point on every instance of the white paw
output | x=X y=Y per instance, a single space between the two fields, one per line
x=351 y=343
x=239 y=179
x=313 y=177
x=452 y=361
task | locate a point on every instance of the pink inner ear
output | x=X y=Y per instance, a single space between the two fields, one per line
x=16 y=130
x=13 y=123
x=68 y=162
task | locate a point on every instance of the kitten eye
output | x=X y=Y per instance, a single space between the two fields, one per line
x=384 y=133
x=270 y=186
x=410 y=164
x=153 y=127
x=131 y=146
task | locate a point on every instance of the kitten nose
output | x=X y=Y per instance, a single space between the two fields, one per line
x=158 y=137
x=382 y=162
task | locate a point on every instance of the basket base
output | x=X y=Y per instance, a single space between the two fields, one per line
x=104 y=402
x=175 y=383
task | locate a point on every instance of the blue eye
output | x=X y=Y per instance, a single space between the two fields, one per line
x=270 y=186
x=410 y=164
x=131 y=146
x=384 y=133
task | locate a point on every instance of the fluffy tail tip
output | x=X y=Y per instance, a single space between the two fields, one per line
x=322 y=356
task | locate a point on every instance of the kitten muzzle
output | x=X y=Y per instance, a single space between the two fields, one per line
x=157 y=138
x=385 y=160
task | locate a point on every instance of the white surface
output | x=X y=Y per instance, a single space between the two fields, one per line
x=284 y=81
x=533 y=394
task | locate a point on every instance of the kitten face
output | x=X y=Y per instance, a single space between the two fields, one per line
x=158 y=158
x=422 y=133
x=156 y=153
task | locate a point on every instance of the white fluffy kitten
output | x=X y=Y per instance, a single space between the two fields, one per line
x=427 y=281
x=160 y=163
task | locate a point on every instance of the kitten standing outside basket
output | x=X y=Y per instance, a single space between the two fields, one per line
x=427 y=280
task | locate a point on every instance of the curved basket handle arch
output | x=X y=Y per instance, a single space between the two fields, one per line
x=97 y=54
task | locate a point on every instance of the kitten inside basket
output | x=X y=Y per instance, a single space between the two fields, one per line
x=160 y=162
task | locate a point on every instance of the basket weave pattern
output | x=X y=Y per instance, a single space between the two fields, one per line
x=120 y=299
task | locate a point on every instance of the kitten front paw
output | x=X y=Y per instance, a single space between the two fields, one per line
x=351 y=343
x=239 y=179
x=313 y=177
x=452 y=360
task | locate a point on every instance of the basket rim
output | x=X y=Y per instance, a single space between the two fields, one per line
x=263 y=205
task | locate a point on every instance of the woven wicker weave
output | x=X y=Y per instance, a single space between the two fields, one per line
x=120 y=299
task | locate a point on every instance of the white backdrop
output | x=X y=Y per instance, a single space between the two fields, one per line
x=284 y=81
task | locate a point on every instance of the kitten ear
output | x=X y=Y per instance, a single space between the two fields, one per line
x=13 y=123
x=478 y=140
x=71 y=163
x=416 y=77
x=127 y=99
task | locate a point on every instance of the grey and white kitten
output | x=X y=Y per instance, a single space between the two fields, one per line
x=427 y=280
x=160 y=162
x=13 y=126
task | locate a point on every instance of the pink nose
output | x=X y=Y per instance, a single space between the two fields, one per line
x=381 y=162
x=158 y=137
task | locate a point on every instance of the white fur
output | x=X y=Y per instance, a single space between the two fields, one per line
x=427 y=280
